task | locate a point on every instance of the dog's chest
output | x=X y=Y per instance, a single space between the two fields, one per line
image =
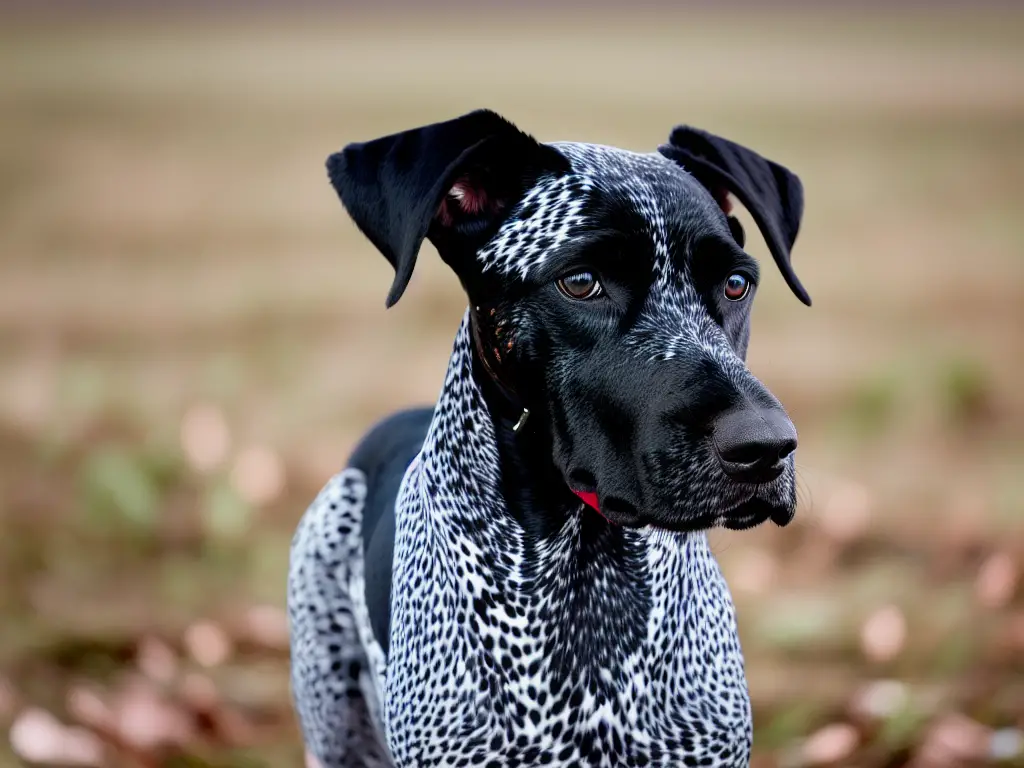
x=594 y=647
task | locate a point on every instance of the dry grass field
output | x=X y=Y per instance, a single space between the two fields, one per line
x=192 y=335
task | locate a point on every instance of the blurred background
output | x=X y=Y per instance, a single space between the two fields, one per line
x=193 y=334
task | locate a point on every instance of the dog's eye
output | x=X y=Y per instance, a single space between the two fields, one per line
x=736 y=287
x=580 y=285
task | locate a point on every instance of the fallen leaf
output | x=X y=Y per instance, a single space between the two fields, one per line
x=258 y=475
x=883 y=634
x=997 y=581
x=831 y=744
x=207 y=643
x=157 y=660
x=38 y=737
x=205 y=438
x=953 y=740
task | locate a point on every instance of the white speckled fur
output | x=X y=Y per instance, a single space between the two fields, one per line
x=484 y=667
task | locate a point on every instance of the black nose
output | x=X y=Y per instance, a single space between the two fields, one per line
x=752 y=443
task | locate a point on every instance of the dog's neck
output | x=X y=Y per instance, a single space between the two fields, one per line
x=544 y=599
x=508 y=457
x=474 y=450
x=534 y=491
x=486 y=484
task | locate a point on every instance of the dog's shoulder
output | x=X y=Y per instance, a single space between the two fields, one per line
x=383 y=456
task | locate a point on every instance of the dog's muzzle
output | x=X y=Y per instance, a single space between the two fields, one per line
x=752 y=444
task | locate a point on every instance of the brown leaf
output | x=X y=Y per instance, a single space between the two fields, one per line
x=207 y=643
x=258 y=475
x=831 y=744
x=997 y=581
x=39 y=737
x=135 y=714
x=883 y=634
x=953 y=740
x=215 y=716
x=205 y=438
x=157 y=660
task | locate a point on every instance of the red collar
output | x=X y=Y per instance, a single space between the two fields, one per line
x=590 y=499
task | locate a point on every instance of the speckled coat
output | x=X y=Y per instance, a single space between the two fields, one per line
x=588 y=645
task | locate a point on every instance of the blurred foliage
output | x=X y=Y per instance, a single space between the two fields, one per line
x=967 y=391
x=192 y=336
x=873 y=404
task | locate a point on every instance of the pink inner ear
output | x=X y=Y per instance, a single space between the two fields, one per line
x=465 y=197
x=721 y=196
x=469 y=198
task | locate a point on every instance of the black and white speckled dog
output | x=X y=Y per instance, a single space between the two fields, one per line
x=520 y=576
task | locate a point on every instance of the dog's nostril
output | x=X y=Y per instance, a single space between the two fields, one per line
x=759 y=452
x=754 y=452
x=581 y=480
x=787 y=447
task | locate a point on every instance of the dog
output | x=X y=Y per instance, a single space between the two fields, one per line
x=520 y=575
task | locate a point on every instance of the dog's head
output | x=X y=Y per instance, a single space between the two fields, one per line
x=611 y=296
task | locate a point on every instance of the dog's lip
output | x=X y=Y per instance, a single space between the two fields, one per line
x=756 y=511
x=744 y=523
x=783 y=516
x=743 y=516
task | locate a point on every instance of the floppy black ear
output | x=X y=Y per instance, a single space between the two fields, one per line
x=453 y=182
x=773 y=195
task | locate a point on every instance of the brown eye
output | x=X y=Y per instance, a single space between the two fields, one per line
x=736 y=287
x=580 y=286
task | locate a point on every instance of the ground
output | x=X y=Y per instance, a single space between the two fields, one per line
x=192 y=336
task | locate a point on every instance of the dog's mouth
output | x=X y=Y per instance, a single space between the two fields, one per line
x=755 y=512
x=749 y=514
x=614 y=511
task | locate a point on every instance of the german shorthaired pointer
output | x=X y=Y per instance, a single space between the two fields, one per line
x=520 y=575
